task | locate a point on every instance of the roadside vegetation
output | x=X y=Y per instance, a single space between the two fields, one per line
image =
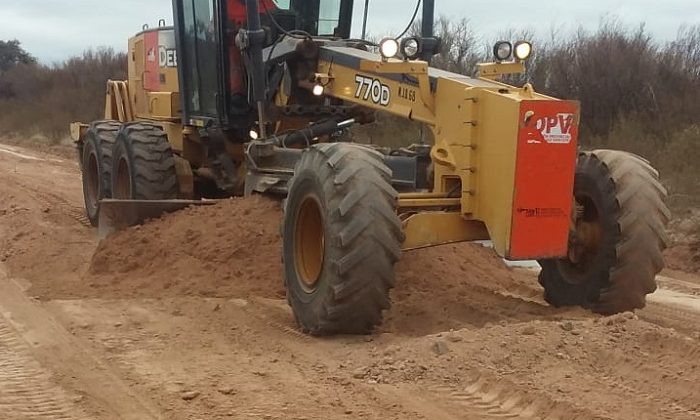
x=41 y=100
x=636 y=93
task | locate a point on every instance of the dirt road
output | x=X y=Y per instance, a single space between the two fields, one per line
x=169 y=321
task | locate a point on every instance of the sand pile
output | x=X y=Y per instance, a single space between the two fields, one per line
x=684 y=256
x=230 y=249
x=233 y=249
x=684 y=232
x=454 y=285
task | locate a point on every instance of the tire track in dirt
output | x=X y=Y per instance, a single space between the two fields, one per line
x=483 y=397
x=669 y=316
x=631 y=377
x=26 y=390
x=50 y=201
x=46 y=198
x=75 y=212
x=679 y=286
x=490 y=397
x=61 y=353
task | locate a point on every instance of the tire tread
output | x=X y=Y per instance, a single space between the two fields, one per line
x=636 y=201
x=152 y=161
x=362 y=210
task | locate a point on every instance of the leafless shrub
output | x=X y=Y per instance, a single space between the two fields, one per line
x=460 y=50
x=636 y=94
x=45 y=99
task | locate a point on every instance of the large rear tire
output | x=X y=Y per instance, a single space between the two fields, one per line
x=341 y=239
x=144 y=165
x=616 y=251
x=96 y=165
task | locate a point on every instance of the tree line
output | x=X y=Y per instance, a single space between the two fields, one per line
x=43 y=99
x=636 y=93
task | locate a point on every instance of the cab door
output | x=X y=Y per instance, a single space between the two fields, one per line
x=200 y=65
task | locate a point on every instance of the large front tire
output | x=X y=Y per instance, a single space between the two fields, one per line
x=616 y=251
x=144 y=164
x=96 y=165
x=341 y=239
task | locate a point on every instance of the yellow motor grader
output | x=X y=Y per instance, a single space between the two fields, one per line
x=256 y=97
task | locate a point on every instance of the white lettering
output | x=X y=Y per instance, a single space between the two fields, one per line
x=372 y=89
x=167 y=57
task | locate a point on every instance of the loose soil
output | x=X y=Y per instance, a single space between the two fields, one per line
x=230 y=249
x=684 y=256
x=185 y=318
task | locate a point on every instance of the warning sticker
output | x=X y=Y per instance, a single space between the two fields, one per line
x=544 y=179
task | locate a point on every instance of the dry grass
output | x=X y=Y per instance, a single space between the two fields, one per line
x=37 y=99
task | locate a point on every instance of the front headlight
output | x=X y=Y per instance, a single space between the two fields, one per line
x=522 y=50
x=411 y=48
x=503 y=50
x=388 y=48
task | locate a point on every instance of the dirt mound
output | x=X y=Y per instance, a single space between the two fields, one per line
x=684 y=257
x=460 y=285
x=684 y=232
x=233 y=249
x=230 y=249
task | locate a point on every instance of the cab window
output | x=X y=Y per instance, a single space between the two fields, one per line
x=328 y=17
x=200 y=56
x=283 y=4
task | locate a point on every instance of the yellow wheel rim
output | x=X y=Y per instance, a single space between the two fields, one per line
x=309 y=243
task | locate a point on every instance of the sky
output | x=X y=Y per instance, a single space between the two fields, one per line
x=53 y=30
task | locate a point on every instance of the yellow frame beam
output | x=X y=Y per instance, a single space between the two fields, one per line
x=426 y=199
x=428 y=229
x=492 y=71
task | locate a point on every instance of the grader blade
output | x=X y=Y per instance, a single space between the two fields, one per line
x=116 y=215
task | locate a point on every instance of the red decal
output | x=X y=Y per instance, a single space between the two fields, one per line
x=152 y=71
x=544 y=179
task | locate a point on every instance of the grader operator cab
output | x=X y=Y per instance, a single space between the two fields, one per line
x=256 y=97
